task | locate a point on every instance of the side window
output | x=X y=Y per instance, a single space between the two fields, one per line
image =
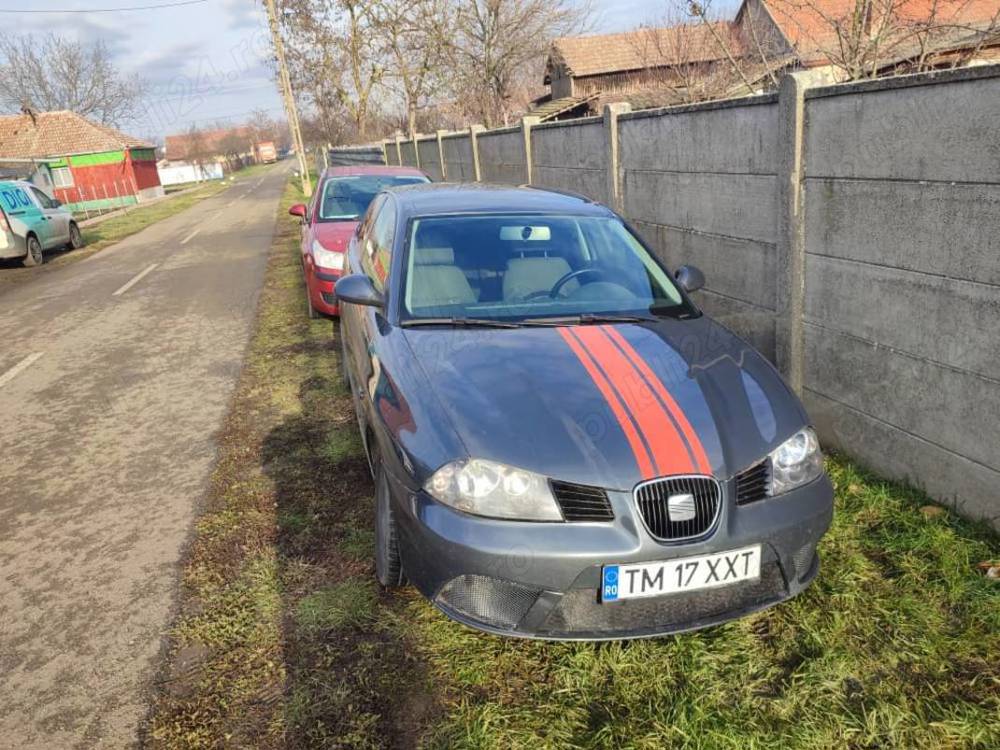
x=376 y=253
x=43 y=200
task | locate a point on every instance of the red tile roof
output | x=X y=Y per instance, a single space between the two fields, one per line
x=640 y=49
x=811 y=25
x=55 y=134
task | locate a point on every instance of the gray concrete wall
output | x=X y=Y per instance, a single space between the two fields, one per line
x=571 y=155
x=902 y=323
x=700 y=183
x=852 y=235
x=409 y=154
x=430 y=158
x=501 y=156
x=458 y=157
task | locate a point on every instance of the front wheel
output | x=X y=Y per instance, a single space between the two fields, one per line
x=75 y=238
x=388 y=565
x=34 y=256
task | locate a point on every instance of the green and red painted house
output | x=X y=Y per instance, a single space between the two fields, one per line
x=84 y=165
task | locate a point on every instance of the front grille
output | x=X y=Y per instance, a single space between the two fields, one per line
x=492 y=601
x=579 y=613
x=690 y=517
x=754 y=483
x=582 y=503
x=329 y=298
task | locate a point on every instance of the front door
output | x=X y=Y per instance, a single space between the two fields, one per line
x=57 y=217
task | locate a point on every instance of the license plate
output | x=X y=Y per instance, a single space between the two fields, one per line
x=680 y=575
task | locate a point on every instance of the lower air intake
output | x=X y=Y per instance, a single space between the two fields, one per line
x=492 y=601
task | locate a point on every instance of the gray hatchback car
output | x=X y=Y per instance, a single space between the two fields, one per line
x=564 y=445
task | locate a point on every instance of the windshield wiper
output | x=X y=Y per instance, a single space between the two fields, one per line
x=585 y=319
x=470 y=322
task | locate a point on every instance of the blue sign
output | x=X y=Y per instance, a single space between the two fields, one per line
x=609 y=588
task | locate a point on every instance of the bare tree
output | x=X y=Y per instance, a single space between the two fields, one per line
x=337 y=55
x=197 y=151
x=52 y=73
x=499 y=44
x=689 y=61
x=418 y=48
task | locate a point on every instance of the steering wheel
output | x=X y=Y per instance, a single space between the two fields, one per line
x=557 y=287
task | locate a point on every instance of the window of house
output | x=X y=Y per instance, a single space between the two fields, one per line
x=62 y=177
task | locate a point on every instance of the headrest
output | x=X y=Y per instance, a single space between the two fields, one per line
x=434 y=256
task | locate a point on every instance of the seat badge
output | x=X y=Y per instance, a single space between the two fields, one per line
x=681 y=507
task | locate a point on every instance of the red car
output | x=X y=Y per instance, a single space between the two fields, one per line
x=329 y=221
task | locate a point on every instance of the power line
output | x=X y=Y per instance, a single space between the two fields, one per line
x=107 y=10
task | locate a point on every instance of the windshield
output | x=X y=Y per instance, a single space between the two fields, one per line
x=523 y=267
x=347 y=198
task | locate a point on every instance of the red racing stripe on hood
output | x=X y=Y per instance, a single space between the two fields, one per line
x=614 y=401
x=697 y=450
x=670 y=454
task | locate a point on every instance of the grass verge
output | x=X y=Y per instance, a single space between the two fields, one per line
x=284 y=640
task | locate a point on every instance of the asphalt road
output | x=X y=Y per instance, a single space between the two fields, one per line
x=115 y=373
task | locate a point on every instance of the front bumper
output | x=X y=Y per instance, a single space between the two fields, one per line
x=320 y=284
x=542 y=580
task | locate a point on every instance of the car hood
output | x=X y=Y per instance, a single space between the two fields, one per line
x=334 y=235
x=609 y=405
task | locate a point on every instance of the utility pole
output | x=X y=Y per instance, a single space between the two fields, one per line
x=286 y=91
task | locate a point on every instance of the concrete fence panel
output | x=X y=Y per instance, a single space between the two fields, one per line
x=700 y=182
x=458 y=157
x=571 y=155
x=502 y=157
x=430 y=157
x=902 y=313
x=409 y=153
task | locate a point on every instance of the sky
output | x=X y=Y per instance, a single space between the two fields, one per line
x=204 y=62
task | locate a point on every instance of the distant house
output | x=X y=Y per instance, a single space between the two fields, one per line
x=81 y=163
x=235 y=147
x=694 y=61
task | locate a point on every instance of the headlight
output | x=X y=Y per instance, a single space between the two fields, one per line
x=486 y=488
x=796 y=461
x=327 y=258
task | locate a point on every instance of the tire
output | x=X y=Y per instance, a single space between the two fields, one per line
x=388 y=564
x=34 y=257
x=75 y=238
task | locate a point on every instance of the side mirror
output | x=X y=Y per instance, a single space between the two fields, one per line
x=357 y=289
x=56 y=204
x=690 y=278
x=299 y=209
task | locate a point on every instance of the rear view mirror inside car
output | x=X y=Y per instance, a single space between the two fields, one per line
x=525 y=233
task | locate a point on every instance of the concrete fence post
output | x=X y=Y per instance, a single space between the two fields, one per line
x=474 y=131
x=399 y=149
x=527 y=123
x=611 y=112
x=444 y=169
x=791 y=244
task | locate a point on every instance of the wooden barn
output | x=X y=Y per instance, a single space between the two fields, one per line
x=84 y=165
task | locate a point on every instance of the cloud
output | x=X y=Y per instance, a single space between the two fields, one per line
x=242 y=14
x=84 y=29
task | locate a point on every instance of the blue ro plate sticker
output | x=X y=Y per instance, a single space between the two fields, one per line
x=609 y=588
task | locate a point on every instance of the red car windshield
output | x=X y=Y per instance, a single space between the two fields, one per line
x=347 y=198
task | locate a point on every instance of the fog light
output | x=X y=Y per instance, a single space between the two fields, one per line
x=492 y=601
